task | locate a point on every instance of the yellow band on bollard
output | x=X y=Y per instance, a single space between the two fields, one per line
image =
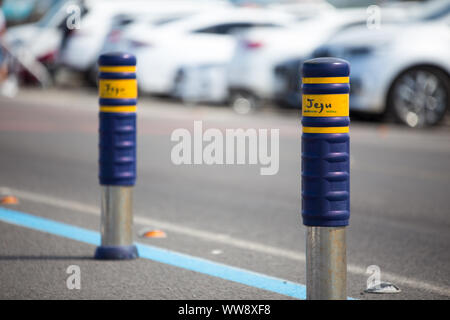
x=325 y=105
x=120 y=88
x=118 y=108
x=117 y=69
x=325 y=129
x=318 y=80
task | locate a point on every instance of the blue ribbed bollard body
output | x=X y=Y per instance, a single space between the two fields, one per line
x=118 y=98
x=325 y=143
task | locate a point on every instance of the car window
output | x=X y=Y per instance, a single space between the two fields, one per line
x=229 y=28
x=63 y=23
x=432 y=10
x=166 y=20
x=225 y=28
x=55 y=10
x=438 y=14
x=352 y=3
x=122 y=20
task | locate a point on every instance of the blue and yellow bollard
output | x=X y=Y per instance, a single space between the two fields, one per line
x=117 y=148
x=326 y=175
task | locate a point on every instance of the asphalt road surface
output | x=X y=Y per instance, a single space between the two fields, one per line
x=229 y=214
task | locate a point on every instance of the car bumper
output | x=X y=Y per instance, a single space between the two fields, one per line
x=254 y=77
x=368 y=86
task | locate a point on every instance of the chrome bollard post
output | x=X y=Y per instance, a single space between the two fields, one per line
x=326 y=270
x=117 y=216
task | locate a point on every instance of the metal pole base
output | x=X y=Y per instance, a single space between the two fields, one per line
x=116 y=252
x=326 y=267
x=117 y=222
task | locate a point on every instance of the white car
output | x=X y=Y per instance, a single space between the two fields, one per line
x=201 y=39
x=202 y=83
x=42 y=38
x=84 y=45
x=126 y=28
x=402 y=68
x=251 y=76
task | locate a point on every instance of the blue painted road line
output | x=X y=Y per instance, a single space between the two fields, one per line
x=165 y=256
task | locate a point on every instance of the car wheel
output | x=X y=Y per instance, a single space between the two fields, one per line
x=244 y=103
x=420 y=97
x=91 y=76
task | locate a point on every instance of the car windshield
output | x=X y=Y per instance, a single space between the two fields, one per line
x=352 y=3
x=48 y=18
x=166 y=20
x=428 y=10
x=434 y=10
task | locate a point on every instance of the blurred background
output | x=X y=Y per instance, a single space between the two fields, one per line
x=238 y=53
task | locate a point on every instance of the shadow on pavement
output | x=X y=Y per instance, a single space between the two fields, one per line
x=46 y=258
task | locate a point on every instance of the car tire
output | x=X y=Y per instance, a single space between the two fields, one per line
x=176 y=91
x=91 y=76
x=420 y=97
x=244 y=102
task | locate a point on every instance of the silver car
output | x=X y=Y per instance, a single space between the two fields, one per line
x=401 y=69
